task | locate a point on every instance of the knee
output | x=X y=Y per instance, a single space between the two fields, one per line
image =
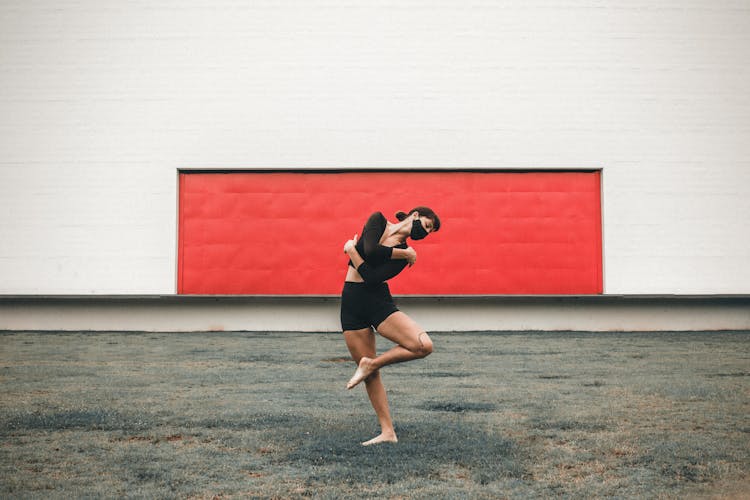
x=425 y=345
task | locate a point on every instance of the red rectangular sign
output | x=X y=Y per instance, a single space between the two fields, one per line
x=282 y=233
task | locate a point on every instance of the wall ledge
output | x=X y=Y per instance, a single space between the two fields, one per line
x=174 y=298
x=191 y=313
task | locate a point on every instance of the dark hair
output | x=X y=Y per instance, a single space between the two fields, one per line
x=423 y=211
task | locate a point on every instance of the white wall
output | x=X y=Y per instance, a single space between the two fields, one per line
x=102 y=101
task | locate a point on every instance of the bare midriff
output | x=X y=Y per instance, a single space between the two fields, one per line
x=352 y=276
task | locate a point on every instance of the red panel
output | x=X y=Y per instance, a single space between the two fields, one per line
x=282 y=233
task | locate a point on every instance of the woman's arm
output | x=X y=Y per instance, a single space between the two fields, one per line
x=371 y=234
x=350 y=249
x=371 y=274
x=408 y=254
x=371 y=246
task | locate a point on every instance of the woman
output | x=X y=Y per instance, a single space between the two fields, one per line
x=379 y=255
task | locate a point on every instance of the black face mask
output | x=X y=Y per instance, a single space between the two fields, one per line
x=417 y=231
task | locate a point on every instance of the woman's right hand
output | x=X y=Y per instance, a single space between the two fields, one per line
x=411 y=256
x=350 y=245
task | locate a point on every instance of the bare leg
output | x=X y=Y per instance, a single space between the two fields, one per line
x=361 y=343
x=379 y=401
x=413 y=343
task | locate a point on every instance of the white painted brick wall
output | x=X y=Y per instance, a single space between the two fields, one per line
x=102 y=101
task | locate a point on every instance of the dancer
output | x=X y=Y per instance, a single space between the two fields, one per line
x=366 y=303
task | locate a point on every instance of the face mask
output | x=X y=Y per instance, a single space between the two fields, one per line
x=417 y=231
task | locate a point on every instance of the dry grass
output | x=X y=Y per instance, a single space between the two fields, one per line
x=509 y=415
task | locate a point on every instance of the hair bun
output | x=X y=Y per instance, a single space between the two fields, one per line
x=401 y=215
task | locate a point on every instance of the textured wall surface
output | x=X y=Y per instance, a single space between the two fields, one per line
x=271 y=233
x=102 y=101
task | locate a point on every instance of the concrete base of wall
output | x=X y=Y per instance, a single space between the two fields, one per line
x=307 y=314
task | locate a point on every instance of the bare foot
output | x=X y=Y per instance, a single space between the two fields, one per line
x=383 y=438
x=364 y=370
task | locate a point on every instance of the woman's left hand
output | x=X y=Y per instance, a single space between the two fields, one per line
x=349 y=245
x=411 y=256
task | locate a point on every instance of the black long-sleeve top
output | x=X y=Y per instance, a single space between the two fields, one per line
x=378 y=265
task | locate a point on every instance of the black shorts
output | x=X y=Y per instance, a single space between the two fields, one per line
x=364 y=305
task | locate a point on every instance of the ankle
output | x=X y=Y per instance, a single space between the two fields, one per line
x=369 y=363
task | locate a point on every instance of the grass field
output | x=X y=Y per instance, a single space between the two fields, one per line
x=488 y=415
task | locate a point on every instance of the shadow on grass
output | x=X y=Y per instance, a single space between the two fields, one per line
x=62 y=419
x=458 y=407
x=437 y=374
x=258 y=422
x=702 y=462
x=97 y=419
x=426 y=450
x=568 y=425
